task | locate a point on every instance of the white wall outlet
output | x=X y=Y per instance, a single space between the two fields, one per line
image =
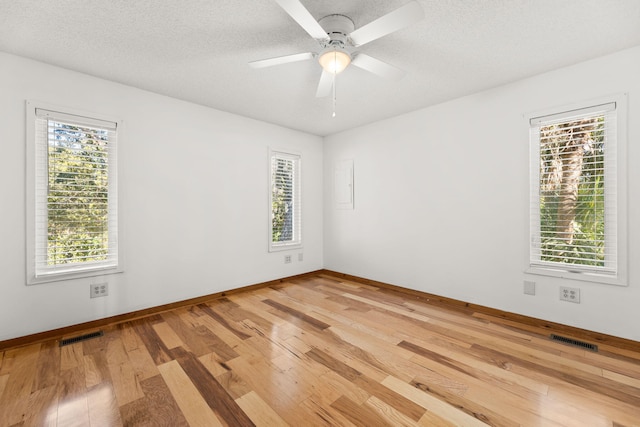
x=287 y=259
x=99 y=290
x=529 y=287
x=300 y=257
x=570 y=294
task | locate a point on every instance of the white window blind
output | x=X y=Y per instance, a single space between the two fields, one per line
x=574 y=191
x=285 y=201
x=75 y=206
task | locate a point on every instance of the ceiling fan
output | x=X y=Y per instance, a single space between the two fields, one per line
x=338 y=39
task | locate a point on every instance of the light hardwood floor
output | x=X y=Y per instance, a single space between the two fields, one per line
x=319 y=351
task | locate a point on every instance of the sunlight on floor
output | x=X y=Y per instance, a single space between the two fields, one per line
x=76 y=409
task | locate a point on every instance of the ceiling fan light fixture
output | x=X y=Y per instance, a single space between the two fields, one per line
x=334 y=60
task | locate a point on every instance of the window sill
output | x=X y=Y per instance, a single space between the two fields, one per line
x=58 y=277
x=584 y=276
x=281 y=248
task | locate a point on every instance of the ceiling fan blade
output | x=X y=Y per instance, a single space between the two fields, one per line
x=378 y=67
x=262 y=63
x=325 y=85
x=302 y=16
x=400 y=18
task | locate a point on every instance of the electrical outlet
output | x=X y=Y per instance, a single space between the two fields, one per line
x=287 y=259
x=99 y=290
x=529 y=287
x=570 y=294
x=300 y=257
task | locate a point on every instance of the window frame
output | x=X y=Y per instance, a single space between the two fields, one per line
x=570 y=271
x=36 y=230
x=296 y=242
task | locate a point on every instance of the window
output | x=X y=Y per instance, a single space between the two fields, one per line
x=72 y=195
x=285 y=207
x=576 y=196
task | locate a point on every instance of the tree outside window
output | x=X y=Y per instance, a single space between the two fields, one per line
x=572 y=202
x=285 y=207
x=577 y=197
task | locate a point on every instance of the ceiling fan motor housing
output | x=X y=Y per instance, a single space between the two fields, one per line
x=337 y=27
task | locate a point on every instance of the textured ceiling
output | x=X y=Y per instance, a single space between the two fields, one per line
x=198 y=50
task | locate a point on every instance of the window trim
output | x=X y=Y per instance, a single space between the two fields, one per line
x=32 y=233
x=619 y=277
x=297 y=243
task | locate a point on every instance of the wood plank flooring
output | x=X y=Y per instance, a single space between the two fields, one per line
x=319 y=351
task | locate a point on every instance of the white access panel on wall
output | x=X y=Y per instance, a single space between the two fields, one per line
x=343 y=184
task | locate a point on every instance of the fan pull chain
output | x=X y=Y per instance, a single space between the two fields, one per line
x=335 y=59
x=334 y=96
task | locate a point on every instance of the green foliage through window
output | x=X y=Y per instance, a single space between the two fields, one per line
x=282 y=206
x=78 y=188
x=286 y=218
x=572 y=192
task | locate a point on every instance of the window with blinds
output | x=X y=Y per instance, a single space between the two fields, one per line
x=74 y=211
x=285 y=226
x=574 y=191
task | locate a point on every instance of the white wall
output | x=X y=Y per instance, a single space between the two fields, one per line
x=441 y=199
x=194 y=200
x=430 y=187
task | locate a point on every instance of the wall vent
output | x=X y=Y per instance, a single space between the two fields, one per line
x=576 y=343
x=81 y=338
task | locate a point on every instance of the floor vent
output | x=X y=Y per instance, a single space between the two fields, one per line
x=81 y=338
x=576 y=343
